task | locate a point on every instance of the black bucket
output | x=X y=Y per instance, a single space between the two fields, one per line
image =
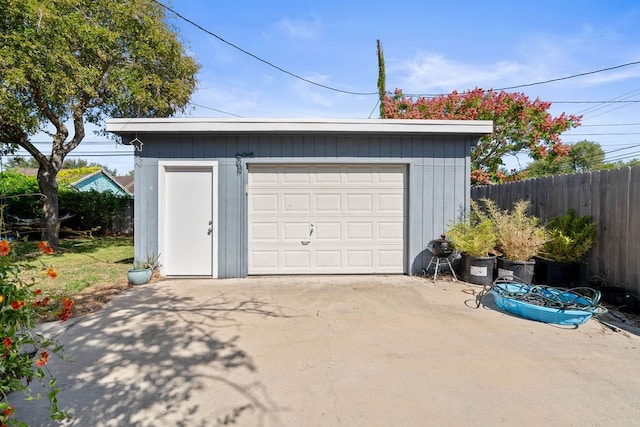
x=478 y=271
x=523 y=270
x=563 y=274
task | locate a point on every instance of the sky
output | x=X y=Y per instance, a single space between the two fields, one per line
x=429 y=47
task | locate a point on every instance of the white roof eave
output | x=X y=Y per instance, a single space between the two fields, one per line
x=207 y=125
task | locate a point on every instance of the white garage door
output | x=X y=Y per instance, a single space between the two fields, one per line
x=326 y=219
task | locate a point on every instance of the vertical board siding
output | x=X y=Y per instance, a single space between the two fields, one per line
x=438 y=181
x=610 y=197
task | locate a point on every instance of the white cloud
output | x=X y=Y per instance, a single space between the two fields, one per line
x=300 y=28
x=434 y=73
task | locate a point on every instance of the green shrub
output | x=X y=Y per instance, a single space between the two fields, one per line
x=474 y=236
x=570 y=238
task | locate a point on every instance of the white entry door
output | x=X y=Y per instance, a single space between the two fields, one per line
x=188 y=218
x=326 y=219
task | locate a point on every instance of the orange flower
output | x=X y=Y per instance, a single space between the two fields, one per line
x=44 y=247
x=17 y=305
x=66 y=309
x=1 y=298
x=44 y=357
x=41 y=302
x=7 y=412
x=7 y=342
x=52 y=273
x=4 y=247
x=37 y=292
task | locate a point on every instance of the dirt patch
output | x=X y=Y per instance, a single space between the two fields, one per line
x=94 y=298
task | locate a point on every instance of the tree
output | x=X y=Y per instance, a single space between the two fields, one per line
x=519 y=124
x=583 y=156
x=67 y=62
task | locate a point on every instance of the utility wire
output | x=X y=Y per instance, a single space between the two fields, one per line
x=573 y=76
x=264 y=61
x=631 y=101
x=214 y=109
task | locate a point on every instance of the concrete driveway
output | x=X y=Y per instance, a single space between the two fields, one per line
x=336 y=351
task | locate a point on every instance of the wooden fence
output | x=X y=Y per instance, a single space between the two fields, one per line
x=610 y=197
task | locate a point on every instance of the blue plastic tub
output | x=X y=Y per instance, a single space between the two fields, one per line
x=507 y=294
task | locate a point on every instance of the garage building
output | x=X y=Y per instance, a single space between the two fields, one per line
x=237 y=197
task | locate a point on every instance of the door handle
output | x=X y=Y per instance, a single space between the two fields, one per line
x=311 y=230
x=305 y=242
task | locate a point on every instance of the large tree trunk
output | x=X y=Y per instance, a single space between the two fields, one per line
x=49 y=188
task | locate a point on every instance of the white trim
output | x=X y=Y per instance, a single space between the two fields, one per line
x=162 y=169
x=414 y=126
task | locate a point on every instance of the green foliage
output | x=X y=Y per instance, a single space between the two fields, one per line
x=91 y=209
x=23 y=353
x=584 y=156
x=570 y=237
x=519 y=236
x=77 y=61
x=475 y=235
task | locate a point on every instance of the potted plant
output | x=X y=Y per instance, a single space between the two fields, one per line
x=570 y=238
x=519 y=238
x=143 y=270
x=474 y=238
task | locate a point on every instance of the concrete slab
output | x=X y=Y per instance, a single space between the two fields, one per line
x=335 y=351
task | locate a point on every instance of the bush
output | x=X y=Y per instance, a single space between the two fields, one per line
x=519 y=236
x=91 y=210
x=474 y=236
x=570 y=237
x=23 y=353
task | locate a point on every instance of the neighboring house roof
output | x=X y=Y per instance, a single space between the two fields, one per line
x=126 y=182
x=100 y=181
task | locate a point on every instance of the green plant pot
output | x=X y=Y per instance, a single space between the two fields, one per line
x=139 y=277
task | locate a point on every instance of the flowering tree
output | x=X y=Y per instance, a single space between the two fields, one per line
x=23 y=353
x=519 y=124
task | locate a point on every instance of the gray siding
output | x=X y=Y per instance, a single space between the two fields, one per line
x=438 y=181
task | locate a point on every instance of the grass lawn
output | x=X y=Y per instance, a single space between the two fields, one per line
x=90 y=270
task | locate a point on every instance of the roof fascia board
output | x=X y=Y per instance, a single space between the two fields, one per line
x=205 y=125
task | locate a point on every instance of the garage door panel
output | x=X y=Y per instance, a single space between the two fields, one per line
x=360 y=203
x=295 y=231
x=296 y=203
x=328 y=203
x=390 y=230
x=390 y=203
x=264 y=259
x=359 y=231
x=327 y=231
x=328 y=259
x=264 y=231
x=264 y=203
x=295 y=175
x=328 y=219
x=359 y=258
x=296 y=259
x=389 y=258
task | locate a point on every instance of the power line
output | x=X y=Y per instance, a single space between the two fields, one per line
x=606 y=133
x=264 y=61
x=573 y=76
x=596 y=102
x=214 y=109
x=611 y=124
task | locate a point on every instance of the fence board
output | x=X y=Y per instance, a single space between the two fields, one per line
x=610 y=197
